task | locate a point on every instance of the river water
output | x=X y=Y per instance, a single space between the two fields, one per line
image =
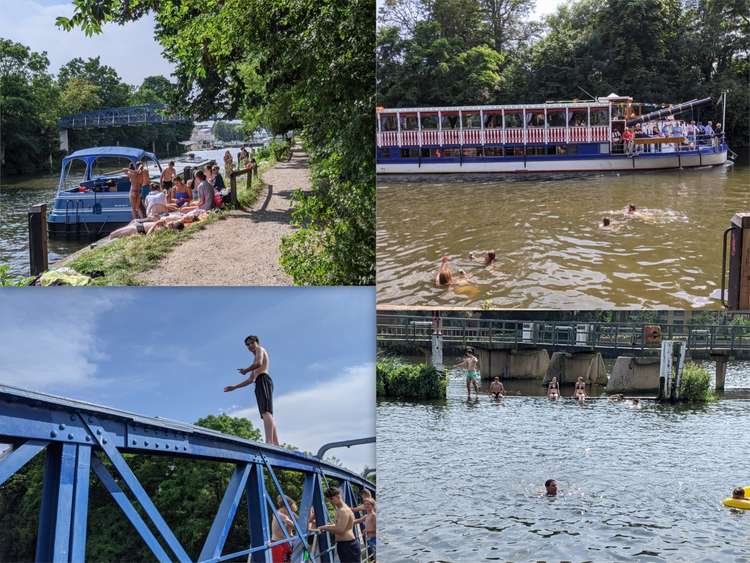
x=18 y=194
x=464 y=481
x=551 y=251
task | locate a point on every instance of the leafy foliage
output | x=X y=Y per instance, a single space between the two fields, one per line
x=695 y=384
x=409 y=381
x=486 y=51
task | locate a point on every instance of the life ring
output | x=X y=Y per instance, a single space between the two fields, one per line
x=742 y=504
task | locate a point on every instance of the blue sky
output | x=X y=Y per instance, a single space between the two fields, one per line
x=130 y=49
x=170 y=352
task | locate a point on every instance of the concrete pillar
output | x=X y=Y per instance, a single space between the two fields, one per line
x=721 y=371
x=64 y=143
x=513 y=364
x=634 y=375
x=437 y=351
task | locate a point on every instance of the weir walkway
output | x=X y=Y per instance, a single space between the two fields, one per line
x=79 y=438
x=701 y=341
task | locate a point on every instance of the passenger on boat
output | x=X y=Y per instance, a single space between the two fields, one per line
x=496 y=388
x=181 y=194
x=444 y=276
x=205 y=192
x=168 y=176
x=135 y=177
x=655 y=133
x=553 y=390
x=627 y=139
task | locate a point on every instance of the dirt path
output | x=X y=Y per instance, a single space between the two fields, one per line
x=244 y=248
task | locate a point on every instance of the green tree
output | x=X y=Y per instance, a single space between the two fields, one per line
x=113 y=92
x=79 y=95
x=154 y=90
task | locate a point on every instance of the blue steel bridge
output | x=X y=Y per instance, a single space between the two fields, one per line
x=702 y=341
x=145 y=114
x=77 y=438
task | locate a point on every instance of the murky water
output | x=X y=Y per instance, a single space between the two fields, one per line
x=464 y=481
x=18 y=194
x=551 y=251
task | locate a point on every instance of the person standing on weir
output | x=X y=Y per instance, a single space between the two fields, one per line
x=470 y=363
x=263 y=387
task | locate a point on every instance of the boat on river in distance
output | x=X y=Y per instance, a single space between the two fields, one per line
x=541 y=138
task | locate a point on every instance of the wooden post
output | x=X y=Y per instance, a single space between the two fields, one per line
x=233 y=187
x=38 y=239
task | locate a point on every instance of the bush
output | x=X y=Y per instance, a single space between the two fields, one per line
x=695 y=384
x=281 y=151
x=407 y=381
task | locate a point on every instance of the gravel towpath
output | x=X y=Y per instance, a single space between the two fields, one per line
x=243 y=249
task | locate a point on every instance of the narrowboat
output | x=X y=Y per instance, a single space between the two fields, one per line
x=92 y=194
x=550 y=137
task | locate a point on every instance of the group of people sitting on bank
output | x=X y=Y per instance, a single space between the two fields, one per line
x=348 y=546
x=679 y=134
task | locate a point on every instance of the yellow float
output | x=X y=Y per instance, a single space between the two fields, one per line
x=742 y=504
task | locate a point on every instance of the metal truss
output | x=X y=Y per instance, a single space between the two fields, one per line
x=78 y=438
x=146 y=114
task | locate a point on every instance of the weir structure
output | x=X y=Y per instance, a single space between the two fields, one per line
x=78 y=438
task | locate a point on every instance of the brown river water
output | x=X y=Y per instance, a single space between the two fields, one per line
x=551 y=251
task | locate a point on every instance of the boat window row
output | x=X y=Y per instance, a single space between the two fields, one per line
x=493 y=120
x=477 y=152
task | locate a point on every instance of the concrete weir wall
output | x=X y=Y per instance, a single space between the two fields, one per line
x=633 y=375
x=567 y=368
x=513 y=364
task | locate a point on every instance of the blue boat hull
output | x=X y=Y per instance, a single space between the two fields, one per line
x=88 y=215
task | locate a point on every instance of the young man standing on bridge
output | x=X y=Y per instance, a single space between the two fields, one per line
x=347 y=546
x=263 y=386
x=470 y=363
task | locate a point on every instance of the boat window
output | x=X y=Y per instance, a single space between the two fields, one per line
x=450 y=122
x=513 y=120
x=452 y=153
x=535 y=119
x=473 y=151
x=409 y=153
x=556 y=118
x=472 y=120
x=493 y=120
x=109 y=166
x=599 y=116
x=75 y=173
x=409 y=122
x=429 y=121
x=388 y=122
x=578 y=118
x=493 y=151
x=426 y=152
x=386 y=153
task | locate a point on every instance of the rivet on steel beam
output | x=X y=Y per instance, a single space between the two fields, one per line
x=104 y=441
x=166 y=446
x=99 y=431
x=156 y=445
x=61 y=427
x=145 y=443
x=53 y=434
x=70 y=436
x=135 y=443
x=88 y=438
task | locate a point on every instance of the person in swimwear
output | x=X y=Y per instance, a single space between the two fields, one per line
x=167 y=177
x=444 y=276
x=462 y=278
x=370 y=520
x=553 y=390
x=470 y=363
x=738 y=493
x=282 y=553
x=134 y=175
x=259 y=375
x=580 y=390
x=550 y=485
x=181 y=194
x=605 y=222
x=148 y=226
x=347 y=546
x=497 y=389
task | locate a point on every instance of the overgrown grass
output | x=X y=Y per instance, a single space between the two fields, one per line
x=247 y=197
x=695 y=384
x=407 y=381
x=120 y=262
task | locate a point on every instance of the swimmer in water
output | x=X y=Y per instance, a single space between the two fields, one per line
x=462 y=278
x=496 y=388
x=444 y=276
x=580 y=390
x=605 y=222
x=489 y=258
x=470 y=364
x=550 y=485
x=631 y=209
x=553 y=390
x=738 y=493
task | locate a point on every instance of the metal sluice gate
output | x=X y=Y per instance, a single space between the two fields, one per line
x=77 y=437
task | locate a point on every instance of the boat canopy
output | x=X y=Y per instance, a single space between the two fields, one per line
x=94 y=152
x=513 y=107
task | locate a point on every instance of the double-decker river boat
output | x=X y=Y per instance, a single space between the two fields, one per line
x=549 y=137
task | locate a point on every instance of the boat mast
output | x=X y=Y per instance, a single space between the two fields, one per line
x=724 y=115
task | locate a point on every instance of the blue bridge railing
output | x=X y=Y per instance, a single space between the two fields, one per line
x=77 y=439
x=146 y=114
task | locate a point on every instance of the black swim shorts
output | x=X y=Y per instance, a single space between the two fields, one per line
x=264 y=393
x=167 y=184
x=348 y=551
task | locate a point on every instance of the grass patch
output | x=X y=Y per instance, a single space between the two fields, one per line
x=695 y=384
x=247 y=197
x=396 y=379
x=119 y=262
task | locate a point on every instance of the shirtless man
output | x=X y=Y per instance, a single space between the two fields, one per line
x=136 y=179
x=282 y=553
x=263 y=386
x=497 y=389
x=470 y=363
x=580 y=390
x=550 y=486
x=370 y=520
x=347 y=545
x=167 y=177
x=553 y=390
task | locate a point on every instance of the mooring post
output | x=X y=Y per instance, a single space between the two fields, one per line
x=233 y=188
x=38 y=239
x=721 y=369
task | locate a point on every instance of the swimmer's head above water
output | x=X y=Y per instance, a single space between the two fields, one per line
x=738 y=493
x=631 y=208
x=605 y=222
x=489 y=258
x=551 y=486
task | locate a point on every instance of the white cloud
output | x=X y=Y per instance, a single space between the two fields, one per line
x=338 y=409
x=130 y=49
x=48 y=341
